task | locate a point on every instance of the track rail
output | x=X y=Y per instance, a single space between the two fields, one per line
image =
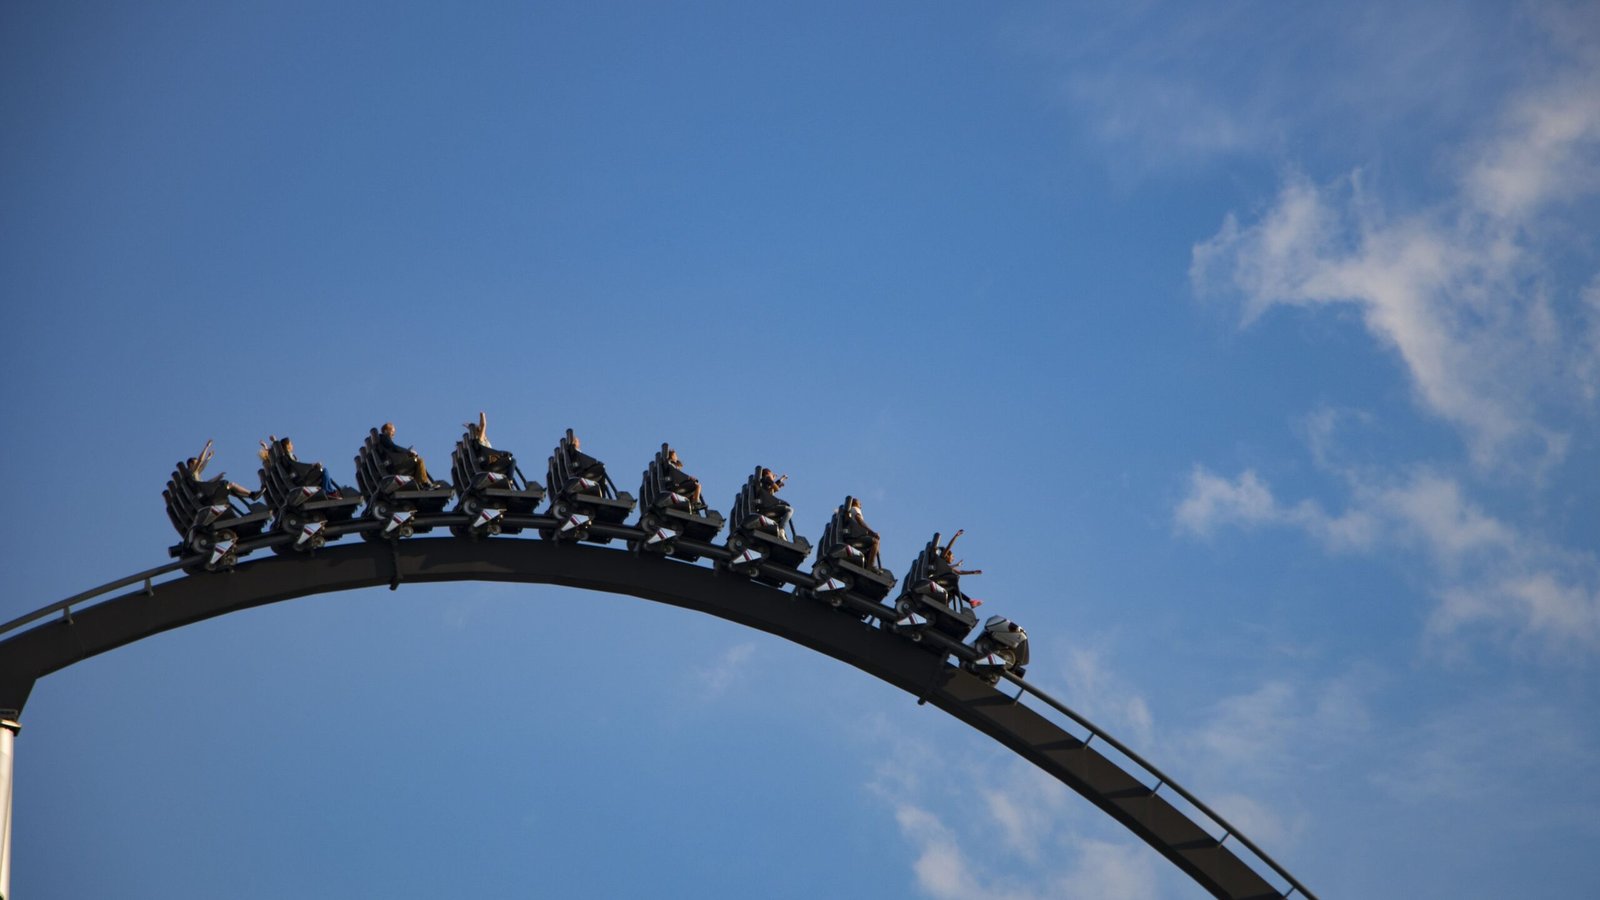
x=87 y=629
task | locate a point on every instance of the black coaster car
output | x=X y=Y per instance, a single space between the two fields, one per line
x=581 y=494
x=669 y=511
x=394 y=497
x=931 y=598
x=299 y=505
x=209 y=520
x=756 y=536
x=842 y=562
x=491 y=487
x=1002 y=646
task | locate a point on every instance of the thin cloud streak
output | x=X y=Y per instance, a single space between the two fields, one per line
x=1164 y=87
x=718 y=677
x=1487 y=572
x=1462 y=291
x=998 y=827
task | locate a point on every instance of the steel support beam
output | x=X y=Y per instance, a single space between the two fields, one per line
x=8 y=743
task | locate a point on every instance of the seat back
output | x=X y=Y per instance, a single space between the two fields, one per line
x=371 y=465
x=467 y=461
x=921 y=566
x=560 y=470
x=277 y=475
x=654 y=482
x=464 y=462
x=744 y=504
x=557 y=469
x=181 y=499
x=185 y=497
x=837 y=530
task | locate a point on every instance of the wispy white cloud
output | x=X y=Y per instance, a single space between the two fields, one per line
x=990 y=825
x=1167 y=121
x=1294 y=759
x=1454 y=298
x=1588 y=367
x=1214 y=501
x=1546 y=152
x=1291 y=759
x=1110 y=870
x=1096 y=687
x=1375 y=755
x=1463 y=291
x=1486 y=571
x=1078 y=865
x=1495 y=338
x=1266 y=730
x=721 y=674
x=941 y=867
x=1459 y=754
x=1165 y=87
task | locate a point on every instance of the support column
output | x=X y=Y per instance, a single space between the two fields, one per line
x=8 y=736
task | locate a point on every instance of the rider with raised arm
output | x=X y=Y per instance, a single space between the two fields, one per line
x=946 y=570
x=489 y=458
x=196 y=466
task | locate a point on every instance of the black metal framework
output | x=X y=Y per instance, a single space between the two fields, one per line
x=301 y=509
x=842 y=563
x=27 y=655
x=394 y=493
x=931 y=600
x=490 y=486
x=582 y=495
x=210 y=521
x=760 y=537
x=668 y=510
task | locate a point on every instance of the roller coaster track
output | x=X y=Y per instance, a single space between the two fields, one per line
x=91 y=623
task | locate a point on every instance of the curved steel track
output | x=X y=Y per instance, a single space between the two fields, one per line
x=1143 y=809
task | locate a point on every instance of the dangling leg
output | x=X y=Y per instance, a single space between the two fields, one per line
x=421 y=469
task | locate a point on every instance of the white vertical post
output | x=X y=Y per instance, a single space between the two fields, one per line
x=8 y=736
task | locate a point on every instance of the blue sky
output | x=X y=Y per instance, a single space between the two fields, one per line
x=1256 y=347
